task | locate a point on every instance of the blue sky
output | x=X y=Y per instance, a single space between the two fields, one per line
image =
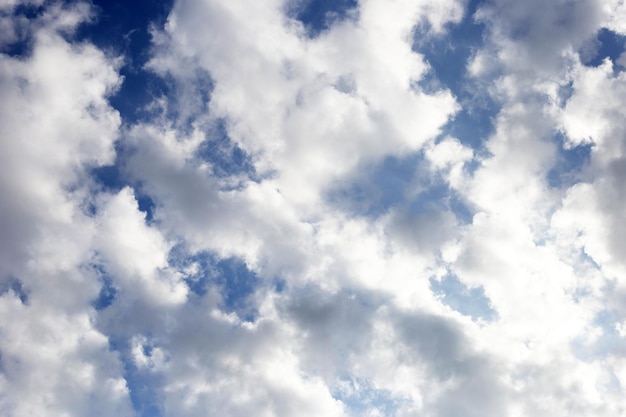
x=312 y=208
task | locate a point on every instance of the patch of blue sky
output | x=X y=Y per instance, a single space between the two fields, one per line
x=439 y=196
x=226 y=157
x=144 y=386
x=468 y=301
x=448 y=55
x=381 y=186
x=609 y=341
x=108 y=290
x=458 y=205
x=230 y=277
x=21 y=46
x=473 y=124
x=570 y=163
x=319 y=15
x=237 y=284
x=122 y=28
x=449 y=52
x=360 y=398
x=588 y=260
x=111 y=178
x=609 y=45
x=14 y=286
x=565 y=92
x=139 y=89
x=107 y=294
x=399 y=182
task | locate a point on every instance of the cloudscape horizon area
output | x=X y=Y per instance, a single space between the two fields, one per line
x=312 y=208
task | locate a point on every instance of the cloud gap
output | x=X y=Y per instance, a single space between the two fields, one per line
x=468 y=301
x=229 y=277
x=108 y=291
x=448 y=52
x=570 y=163
x=607 y=45
x=318 y=16
x=226 y=157
x=361 y=398
x=144 y=386
x=124 y=30
x=380 y=186
x=19 y=44
x=15 y=287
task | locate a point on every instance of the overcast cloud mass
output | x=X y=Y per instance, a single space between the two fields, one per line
x=313 y=208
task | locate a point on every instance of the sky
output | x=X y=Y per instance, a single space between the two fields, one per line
x=307 y=208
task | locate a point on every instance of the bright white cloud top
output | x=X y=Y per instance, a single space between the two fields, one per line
x=300 y=208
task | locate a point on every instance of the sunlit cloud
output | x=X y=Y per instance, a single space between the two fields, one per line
x=312 y=208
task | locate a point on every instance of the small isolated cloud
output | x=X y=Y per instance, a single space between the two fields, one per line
x=312 y=208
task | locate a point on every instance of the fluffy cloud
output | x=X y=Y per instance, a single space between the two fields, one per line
x=541 y=252
x=55 y=124
x=308 y=211
x=309 y=110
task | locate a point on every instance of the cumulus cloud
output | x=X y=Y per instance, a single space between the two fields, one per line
x=278 y=232
x=55 y=124
x=520 y=210
x=309 y=110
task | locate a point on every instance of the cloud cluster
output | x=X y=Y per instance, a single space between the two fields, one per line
x=310 y=217
x=55 y=123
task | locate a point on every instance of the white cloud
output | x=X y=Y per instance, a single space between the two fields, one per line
x=450 y=156
x=615 y=15
x=55 y=123
x=55 y=362
x=313 y=112
x=593 y=209
x=528 y=246
x=136 y=254
x=279 y=94
x=345 y=322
